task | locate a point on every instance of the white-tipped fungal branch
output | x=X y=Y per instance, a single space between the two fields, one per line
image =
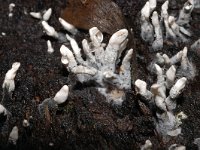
x=50 y=31
x=11 y=8
x=167 y=124
x=158 y=43
x=45 y=15
x=67 y=26
x=9 y=82
x=3 y=110
x=52 y=103
x=14 y=135
x=100 y=64
x=174 y=28
x=36 y=15
x=50 y=49
x=185 y=13
x=147 y=146
x=62 y=95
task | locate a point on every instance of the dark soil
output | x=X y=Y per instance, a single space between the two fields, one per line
x=86 y=121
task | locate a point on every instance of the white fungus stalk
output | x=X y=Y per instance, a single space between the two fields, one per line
x=50 y=49
x=145 y=12
x=185 y=13
x=147 y=32
x=11 y=7
x=176 y=28
x=176 y=147
x=113 y=47
x=52 y=103
x=36 y=15
x=158 y=43
x=67 y=26
x=50 y=31
x=195 y=46
x=141 y=88
x=170 y=76
x=84 y=70
x=76 y=49
x=47 y=14
x=147 y=146
x=174 y=59
x=62 y=95
x=178 y=87
x=159 y=59
x=87 y=51
x=13 y=137
x=25 y=123
x=184 y=60
x=64 y=58
x=160 y=103
x=3 y=110
x=9 y=82
x=68 y=57
x=152 y=5
x=96 y=36
x=165 y=16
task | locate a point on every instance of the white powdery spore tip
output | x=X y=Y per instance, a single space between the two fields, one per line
x=50 y=31
x=63 y=52
x=25 y=123
x=9 y=78
x=67 y=26
x=36 y=15
x=50 y=49
x=178 y=87
x=3 y=110
x=11 y=7
x=62 y=95
x=14 y=135
x=47 y=14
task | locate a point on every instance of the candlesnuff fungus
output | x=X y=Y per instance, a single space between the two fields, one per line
x=50 y=31
x=67 y=26
x=14 y=135
x=9 y=83
x=49 y=47
x=177 y=147
x=25 y=123
x=174 y=28
x=52 y=103
x=45 y=15
x=147 y=146
x=11 y=7
x=101 y=62
x=167 y=70
x=3 y=111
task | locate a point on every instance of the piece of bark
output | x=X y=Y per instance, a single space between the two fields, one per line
x=85 y=14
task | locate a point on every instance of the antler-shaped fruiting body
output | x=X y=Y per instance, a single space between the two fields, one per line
x=101 y=62
x=167 y=123
x=174 y=28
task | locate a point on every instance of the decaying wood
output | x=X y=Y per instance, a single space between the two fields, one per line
x=85 y=14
